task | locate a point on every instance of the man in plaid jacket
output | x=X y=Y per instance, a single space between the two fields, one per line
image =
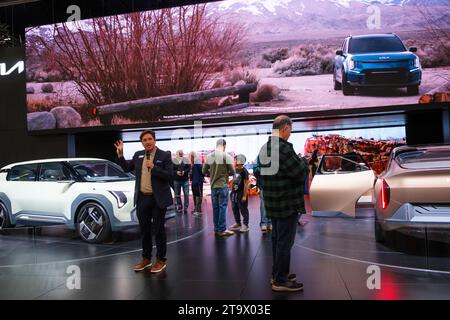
x=283 y=176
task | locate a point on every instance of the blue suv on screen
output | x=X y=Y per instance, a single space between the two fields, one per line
x=376 y=60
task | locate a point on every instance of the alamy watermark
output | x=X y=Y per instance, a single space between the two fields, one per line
x=374 y=20
x=73 y=281
x=374 y=280
x=269 y=160
x=75 y=13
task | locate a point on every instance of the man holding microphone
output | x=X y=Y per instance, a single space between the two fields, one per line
x=153 y=170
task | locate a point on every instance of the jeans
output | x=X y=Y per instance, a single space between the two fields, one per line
x=151 y=220
x=265 y=220
x=239 y=207
x=177 y=185
x=219 y=199
x=283 y=236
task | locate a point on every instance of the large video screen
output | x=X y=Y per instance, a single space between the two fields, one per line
x=374 y=145
x=235 y=58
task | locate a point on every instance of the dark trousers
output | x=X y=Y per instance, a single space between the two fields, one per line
x=151 y=220
x=239 y=207
x=283 y=236
x=197 y=189
x=178 y=185
x=197 y=192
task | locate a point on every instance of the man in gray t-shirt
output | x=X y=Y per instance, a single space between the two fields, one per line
x=219 y=166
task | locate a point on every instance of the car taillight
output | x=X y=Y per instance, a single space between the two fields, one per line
x=385 y=194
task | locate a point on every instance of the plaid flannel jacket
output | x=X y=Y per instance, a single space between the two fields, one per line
x=282 y=179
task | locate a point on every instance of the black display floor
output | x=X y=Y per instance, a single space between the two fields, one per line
x=331 y=256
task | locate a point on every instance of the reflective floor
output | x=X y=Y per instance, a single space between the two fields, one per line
x=331 y=256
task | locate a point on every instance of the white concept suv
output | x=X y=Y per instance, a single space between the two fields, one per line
x=93 y=196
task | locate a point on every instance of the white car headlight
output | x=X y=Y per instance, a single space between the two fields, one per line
x=417 y=62
x=120 y=197
x=351 y=64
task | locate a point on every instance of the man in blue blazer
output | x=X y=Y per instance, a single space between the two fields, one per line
x=153 y=170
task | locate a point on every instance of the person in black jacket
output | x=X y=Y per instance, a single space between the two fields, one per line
x=352 y=157
x=197 y=183
x=239 y=195
x=181 y=169
x=153 y=170
x=265 y=222
x=314 y=162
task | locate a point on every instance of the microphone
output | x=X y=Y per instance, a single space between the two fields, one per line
x=147 y=156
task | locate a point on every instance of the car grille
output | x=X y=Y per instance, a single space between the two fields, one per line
x=388 y=76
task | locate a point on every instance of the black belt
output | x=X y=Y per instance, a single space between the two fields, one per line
x=146 y=193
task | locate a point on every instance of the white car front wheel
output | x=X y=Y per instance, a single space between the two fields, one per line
x=93 y=223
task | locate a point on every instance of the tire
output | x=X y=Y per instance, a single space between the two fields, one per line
x=92 y=223
x=337 y=85
x=380 y=234
x=347 y=90
x=4 y=218
x=412 y=90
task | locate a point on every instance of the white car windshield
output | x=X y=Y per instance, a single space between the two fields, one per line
x=100 y=171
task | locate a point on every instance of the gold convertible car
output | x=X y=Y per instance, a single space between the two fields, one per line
x=413 y=191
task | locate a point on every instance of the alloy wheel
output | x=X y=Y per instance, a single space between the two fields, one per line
x=91 y=222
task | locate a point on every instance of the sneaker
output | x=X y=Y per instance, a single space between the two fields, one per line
x=288 y=286
x=263 y=228
x=291 y=277
x=235 y=227
x=158 y=267
x=244 y=228
x=197 y=214
x=144 y=264
x=226 y=233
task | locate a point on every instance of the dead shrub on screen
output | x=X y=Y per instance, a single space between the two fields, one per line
x=146 y=54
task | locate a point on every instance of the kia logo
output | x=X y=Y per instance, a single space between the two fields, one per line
x=19 y=66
